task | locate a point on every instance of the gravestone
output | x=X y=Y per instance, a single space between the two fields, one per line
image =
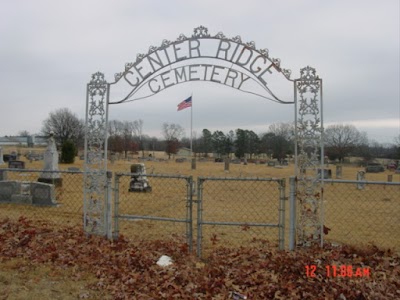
x=327 y=173
x=23 y=196
x=338 y=172
x=51 y=164
x=1 y=156
x=27 y=192
x=271 y=163
x=42 y=193
x=193 y=164
x=227 y=160
x=7 y=189
x=361 y=177
x=74 y=169
x=390 y=178
x=16 y=164
x=3 y=175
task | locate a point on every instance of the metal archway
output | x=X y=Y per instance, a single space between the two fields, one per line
x=161 y=68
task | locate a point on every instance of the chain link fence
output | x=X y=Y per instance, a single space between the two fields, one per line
x=362 y=212
x=222 y=211
x=55 y=197
x=240 y=211
x=162 y=211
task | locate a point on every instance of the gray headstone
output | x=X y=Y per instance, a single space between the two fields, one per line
x=360 y=177
x=74 y=169
x=3 y=175
x=42 y=193
x=226 y=168
x=327 y=173
x=338 y=172
x=1 y=156
x=23 y=196
x=193 y=164
x=16 y=164
x=7 y=189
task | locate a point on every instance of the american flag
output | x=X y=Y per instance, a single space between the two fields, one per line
x=185 y=103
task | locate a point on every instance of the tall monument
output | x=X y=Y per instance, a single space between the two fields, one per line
x=49 y=174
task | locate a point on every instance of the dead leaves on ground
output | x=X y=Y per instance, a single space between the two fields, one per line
x=128 y=270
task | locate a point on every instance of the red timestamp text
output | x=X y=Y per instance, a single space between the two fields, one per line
x=339 y=271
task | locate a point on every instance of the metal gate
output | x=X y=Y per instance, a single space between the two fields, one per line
x=165 y=212
x=240 y=211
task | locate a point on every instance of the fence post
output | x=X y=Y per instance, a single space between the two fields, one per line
x=282 y=185
x=189 y=213
x=116 y=206
x=292 y=213
x=108 y=206
x=199 y=214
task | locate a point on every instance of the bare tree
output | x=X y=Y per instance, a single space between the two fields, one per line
x=24 y=133
x=121 y=137
x=284 y=130
x=65 y=125
x=137 y=131
x=341 y=140
x=172 y=133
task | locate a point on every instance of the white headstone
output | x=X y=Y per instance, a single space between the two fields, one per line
x=50 y=160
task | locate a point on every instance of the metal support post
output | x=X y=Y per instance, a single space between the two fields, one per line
x=292 y=213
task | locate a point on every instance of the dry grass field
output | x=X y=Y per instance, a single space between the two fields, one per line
x=354 y=216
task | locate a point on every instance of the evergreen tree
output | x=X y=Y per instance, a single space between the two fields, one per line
x=68 y=152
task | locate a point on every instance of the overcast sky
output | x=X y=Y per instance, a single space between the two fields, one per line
x=49 y=49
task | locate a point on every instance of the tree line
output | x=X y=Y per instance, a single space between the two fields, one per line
x=341 y=140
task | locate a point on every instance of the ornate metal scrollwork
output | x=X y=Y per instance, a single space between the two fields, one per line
x=200 y=31
x=251 y=45
x=221 y=36
x=309 y=145
x=95 y=155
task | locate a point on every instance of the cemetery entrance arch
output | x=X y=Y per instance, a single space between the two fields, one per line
x=219 y=59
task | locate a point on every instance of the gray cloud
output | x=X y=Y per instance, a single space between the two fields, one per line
x=49 y=49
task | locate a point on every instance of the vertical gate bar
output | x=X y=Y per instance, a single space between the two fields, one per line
x=296 y=135
x=85 y=153
x=282 y=214
x=108 y=213
x=292 y=212
x=116 y=206
x=322 y=164
x=189 y=212
x=199 y=215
